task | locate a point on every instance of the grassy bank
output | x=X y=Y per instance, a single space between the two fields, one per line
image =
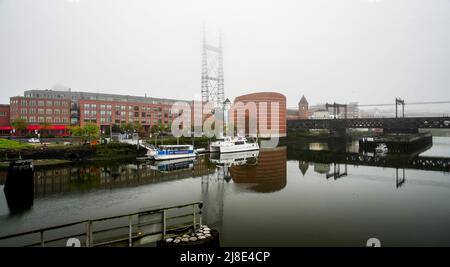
x=54 y=154
x=11 y=144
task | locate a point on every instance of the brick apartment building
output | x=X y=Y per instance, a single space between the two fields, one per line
x=65 y=108
x=37 y=111
x=105 y=113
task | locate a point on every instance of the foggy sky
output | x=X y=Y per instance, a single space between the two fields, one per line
x=369 y=51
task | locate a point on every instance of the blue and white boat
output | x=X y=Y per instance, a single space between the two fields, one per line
x=168 y=152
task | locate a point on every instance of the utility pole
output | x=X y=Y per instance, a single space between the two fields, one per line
x=399 y=101
x=336 y=109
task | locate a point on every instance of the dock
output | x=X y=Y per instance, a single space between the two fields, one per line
x=397 y=143
x=140 y=228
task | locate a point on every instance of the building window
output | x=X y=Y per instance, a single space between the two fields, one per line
x=23 y=111
x=49 y=112
x=32 y=111
x=48 y=119
x=41 y=103
x=23 y=103
x=57 y=112
x=86 y=106
x=49 y=104
x=40 y=119
x=32 y=119
x=41 y=111
x=32 y=103
x=57 y=103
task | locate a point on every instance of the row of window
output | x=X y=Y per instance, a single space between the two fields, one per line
x=123 y=114
x=45 y=111
x=33 y=119
x=40 y=103
x=123 y=108
x=143 y=122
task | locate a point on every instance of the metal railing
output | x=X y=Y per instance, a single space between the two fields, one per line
x=159 y=217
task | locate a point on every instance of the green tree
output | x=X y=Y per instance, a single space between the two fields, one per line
x=91 y=131
x=19 y=125
x=88 y=132
x=137 y=126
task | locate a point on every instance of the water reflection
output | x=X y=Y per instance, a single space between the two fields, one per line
x=269 y=175
x=334 y=164
x=239 y=189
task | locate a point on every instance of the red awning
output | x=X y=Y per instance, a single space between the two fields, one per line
x=50 y=127
x=5 y=128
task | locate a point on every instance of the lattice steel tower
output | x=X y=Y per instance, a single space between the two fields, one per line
x=212 y=72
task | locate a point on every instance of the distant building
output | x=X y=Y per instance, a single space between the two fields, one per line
x=353 y=110
x=303 y=108
x=321 y=114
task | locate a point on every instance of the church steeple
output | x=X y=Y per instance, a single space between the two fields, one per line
x=303 y=108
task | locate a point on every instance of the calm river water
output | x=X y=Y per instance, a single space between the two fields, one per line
x=297 y=195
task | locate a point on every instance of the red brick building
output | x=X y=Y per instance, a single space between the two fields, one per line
x=303 y=109
x=37 y=111
x=268 y=99
x=4 y=115
x=5 y=127
x=105 y=113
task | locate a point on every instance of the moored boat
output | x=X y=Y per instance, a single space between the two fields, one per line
x=168 y=152
x=232 y=144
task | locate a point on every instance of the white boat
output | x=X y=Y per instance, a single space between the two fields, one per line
x=168 y=152
x=232 y=144
x=381 y=149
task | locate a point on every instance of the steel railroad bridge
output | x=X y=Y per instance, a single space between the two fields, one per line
x=398 y=125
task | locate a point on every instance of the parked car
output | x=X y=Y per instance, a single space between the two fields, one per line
x=34 y=140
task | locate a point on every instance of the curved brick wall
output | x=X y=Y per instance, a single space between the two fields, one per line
x=268 y=98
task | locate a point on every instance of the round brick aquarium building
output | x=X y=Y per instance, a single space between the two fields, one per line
x=264 y=99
